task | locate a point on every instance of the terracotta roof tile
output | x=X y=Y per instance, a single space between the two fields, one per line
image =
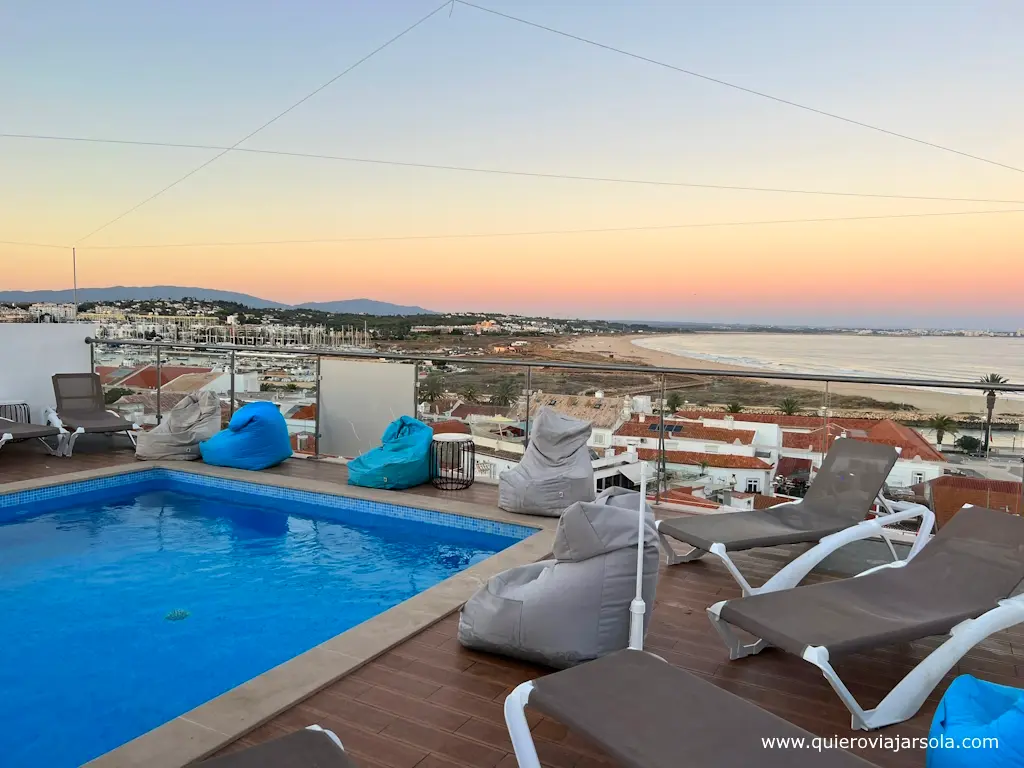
x=676 y=496
x=696 y=458
x=797 y=421
x=675 y=429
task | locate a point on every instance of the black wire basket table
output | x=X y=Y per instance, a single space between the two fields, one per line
x=452 y=461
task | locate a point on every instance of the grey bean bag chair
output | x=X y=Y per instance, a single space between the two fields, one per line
x=574 y=608
x=195 y=418
x=554 y=472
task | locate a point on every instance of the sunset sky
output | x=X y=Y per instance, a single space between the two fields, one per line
x=477 y=90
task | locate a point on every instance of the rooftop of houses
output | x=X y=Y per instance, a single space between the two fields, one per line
x=463 y=411
x=946 y=495
x=148 y=401
x=145 y=376
x=682 y=430
x=697 y=459
x=794 y=421
x=601 y=412
x=911 y=443
x=191 y=382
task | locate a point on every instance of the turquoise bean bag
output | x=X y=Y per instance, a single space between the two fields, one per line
x=402 y=460
x=256 y=438
x=972 y=710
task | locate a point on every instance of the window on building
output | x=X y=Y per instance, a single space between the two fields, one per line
x=599 y=440
x=916 y=477
x=753 y=485
x=709 y=449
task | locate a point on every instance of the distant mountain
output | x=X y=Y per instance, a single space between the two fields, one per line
x=177 y=293
x=365 y=307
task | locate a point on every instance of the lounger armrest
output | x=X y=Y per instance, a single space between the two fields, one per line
x=795 y=572
x=53 y=419
x=135 y=426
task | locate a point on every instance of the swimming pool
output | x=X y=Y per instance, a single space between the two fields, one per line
x=128 y=600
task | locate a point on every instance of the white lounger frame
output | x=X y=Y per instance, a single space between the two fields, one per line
x=330 y=734
x=69 y=438
x=906 y=698
x=7 y=437
x=795 y=571
x=519 y=728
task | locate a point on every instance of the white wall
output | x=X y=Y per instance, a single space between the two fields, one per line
x=902 y=474
x=244 y=382
x=720 y=476
x=33 y=352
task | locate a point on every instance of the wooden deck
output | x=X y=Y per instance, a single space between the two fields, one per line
x=429 y=703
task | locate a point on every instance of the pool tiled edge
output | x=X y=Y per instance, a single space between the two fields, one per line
x=222 y=720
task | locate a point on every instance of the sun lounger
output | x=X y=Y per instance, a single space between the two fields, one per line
x=832 y=514
x=960 y=584
x=11 y=431
x=312 y=747
x=80 y=409
x=645 y=713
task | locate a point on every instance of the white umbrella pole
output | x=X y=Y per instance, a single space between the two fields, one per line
x=637 y=607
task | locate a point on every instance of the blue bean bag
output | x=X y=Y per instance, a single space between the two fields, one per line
x=256 y=438
x=972 y=710
x=402 y=461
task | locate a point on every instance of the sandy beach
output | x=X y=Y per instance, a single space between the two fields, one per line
x=622 y=349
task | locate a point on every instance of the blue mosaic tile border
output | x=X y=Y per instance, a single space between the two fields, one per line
x=328 y=500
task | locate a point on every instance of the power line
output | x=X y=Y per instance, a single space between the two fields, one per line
x=505 y=172
x=34 y=245
x=535 y=233
x=727 y=84
x=270 y=122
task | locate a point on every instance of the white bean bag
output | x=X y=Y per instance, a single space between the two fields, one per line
x=574 y=608
x=194 y=419
x=555 y=471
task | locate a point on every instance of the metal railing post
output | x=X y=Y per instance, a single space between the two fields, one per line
x=316 y=412
x=159 y=385
x=529 y=386
x=416 y=389
x=231 y=406
x=662 y=469
x=92 y=357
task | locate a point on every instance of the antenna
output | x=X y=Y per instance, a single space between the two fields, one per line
x=637 y=608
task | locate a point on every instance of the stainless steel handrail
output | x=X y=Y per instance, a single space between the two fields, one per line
x=533 y=363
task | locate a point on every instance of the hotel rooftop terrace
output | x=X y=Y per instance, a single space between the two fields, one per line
x=426 y=702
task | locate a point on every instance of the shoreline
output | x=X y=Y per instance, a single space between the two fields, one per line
x=622 y=349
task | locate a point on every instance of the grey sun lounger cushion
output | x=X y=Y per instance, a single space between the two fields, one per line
x=93 y=421
x=80 y=404
x=21 y=431
x=575 y=607
x=301 y=749
x=841 y=494
x=645 y=713
x=554 y=472
x=974 y=561
x=194 y=419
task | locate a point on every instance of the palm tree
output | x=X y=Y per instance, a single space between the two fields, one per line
x=506 y=392
x=990 y=402
x=789 y=406
x=470 y=394
x=432 y=388
x=734 y=408
x=942 y=425
x=674 y=401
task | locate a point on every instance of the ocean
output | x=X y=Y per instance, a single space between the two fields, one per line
x=955 y=358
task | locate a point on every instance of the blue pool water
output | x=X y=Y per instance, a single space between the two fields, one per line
x=139 y=598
